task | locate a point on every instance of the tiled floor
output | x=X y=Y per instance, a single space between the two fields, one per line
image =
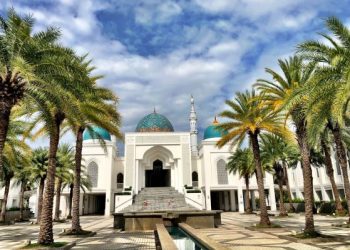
x=233 y=234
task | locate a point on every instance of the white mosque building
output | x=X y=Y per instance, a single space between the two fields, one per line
x=157 y=156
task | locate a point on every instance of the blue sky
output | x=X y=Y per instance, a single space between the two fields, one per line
x=156 y=53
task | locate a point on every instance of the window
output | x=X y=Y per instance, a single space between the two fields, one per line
x=194 y=179
x=93 y=173
x=120 y=180
x=222 y=172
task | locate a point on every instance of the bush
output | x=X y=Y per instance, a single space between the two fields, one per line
x=188 y=187
x=327 y=208
x=128 y=188
x=194 y=191
x=13 y=209
x=123 y=193
x=297 y=200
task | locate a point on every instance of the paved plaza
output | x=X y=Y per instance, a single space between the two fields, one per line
x=233 y=233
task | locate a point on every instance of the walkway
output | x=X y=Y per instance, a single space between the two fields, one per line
x=234 y=235
x=106 y=237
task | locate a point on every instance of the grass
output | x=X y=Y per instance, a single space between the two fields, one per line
x=272 y=225
x=53 y=245
x=80 y=232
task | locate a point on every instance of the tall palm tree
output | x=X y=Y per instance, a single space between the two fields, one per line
x=15 y=152
x=249 y=116
x=324 y=142
x=38 y=173
x=26 y=61
x=271 y=153
x=98 y=109
x=281 y=94
x=85 y=184
x=330 y=93
x=242 y=161
x=65 y=165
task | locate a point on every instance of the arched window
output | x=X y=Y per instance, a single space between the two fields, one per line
x=120 y=180
x=93 y=173
x=222 y=172
x=194 y=179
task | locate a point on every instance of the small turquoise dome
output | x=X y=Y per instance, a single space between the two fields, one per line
x=99 y=133
x=154 y=122
x=213 y=131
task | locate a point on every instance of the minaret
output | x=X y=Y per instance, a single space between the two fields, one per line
x=193 y=126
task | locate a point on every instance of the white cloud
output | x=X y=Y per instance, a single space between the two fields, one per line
x=210 y=65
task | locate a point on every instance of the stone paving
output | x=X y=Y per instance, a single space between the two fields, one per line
x=106 y=237
x=233 y=233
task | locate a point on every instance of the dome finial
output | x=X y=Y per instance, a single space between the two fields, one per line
x=215 y=121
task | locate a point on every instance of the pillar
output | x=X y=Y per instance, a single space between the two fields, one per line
x=272 y=198
x=227 y=200
x=253 y=200
x=233 y=200
x=240 y=200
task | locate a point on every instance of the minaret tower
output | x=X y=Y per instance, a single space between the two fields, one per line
x=193 y=126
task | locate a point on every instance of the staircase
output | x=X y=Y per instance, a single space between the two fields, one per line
x=158 y=199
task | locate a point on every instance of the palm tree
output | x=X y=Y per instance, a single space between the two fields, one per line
x=242 y=161
x=38 y=170
x=26 y=61
x=330 y=90
x=281 y=95
x=15 y=156
x=22 y=179
x=65 y=164
x=98 y=109
x=249 y=115
x=85 y=184
x=271 y=153
x=330 y=173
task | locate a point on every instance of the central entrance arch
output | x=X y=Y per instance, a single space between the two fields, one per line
x=158 y=177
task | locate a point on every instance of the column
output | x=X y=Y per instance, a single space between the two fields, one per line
x=233 y=200
x=136 y=182
x=272 y=198
x=240 y=200
x=227 y=200
x=253 y=200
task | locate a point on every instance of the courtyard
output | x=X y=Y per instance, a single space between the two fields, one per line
x=235 y=233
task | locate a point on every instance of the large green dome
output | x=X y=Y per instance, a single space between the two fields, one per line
x=213 y=131
x=154 y=122
x=98 y=133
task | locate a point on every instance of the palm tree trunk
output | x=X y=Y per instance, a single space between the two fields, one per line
x=330 y=173
x=283 y=210
x=4 y=124
x=76 y=189
x=4 y=201
x=264 y=218
x=247 y=198
x=70 y=201
x=307 y=174
x=21 y=200
x=341 y=153
x=46 y=234
x=40 y=198
x=289 y=191
x=58 y=199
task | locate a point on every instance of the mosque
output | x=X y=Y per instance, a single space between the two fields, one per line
x=157 y=156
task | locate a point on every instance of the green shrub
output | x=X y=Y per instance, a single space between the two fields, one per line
x=297 y=200
x=188 y=187
x=128 y=188
x=123 y=193
x=194 y=191
x=13 y=209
